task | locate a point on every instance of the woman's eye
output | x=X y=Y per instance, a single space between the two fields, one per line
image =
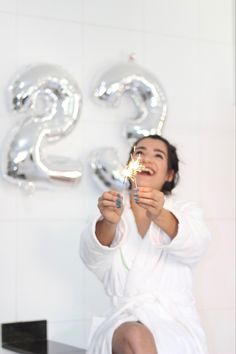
x=136 y=153
x=159 y=156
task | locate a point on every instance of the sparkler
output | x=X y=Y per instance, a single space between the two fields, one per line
x=132 y=168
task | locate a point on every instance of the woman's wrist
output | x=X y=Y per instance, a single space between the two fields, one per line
x=105 y=231
x=108 y=223
x=167 y=222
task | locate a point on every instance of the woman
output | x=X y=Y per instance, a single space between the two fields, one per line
x=143 y=247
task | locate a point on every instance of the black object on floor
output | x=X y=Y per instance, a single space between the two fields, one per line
x=31 y=338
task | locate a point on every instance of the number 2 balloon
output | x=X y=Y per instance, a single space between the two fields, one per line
x=49 y=103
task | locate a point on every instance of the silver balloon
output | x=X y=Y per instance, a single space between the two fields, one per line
x=49 y=101
x=107 y=169
x=146 y=93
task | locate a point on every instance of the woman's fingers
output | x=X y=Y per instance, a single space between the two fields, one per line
x=148 y=202
x=107 y=203
x=148 y=196
x=111 y=196
x=110 y=199
x=111 y=206
x=149 y=199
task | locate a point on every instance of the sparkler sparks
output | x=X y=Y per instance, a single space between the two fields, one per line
x=132 y=168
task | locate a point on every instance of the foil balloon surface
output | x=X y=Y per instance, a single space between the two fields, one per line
x=48 y=103
x=107 y=170
x=145 y=92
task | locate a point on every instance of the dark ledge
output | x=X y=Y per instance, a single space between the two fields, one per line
x=31 y=338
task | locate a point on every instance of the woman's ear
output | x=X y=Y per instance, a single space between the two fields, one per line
x=170 y=176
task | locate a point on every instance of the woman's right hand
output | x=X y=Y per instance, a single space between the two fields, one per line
x=111 y=206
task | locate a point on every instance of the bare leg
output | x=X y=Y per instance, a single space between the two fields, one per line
x=133 y=338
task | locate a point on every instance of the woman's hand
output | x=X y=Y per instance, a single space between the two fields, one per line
x=150 y=199
x=111 y=206
x=153 y=201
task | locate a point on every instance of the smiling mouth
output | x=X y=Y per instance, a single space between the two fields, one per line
x=147 y=171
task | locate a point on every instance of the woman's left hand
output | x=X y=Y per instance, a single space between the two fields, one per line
x=150 y=199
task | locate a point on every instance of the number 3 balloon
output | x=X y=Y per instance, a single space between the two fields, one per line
x=145 y=91
x=107 y=170
x=149 y=98
x=50 y=102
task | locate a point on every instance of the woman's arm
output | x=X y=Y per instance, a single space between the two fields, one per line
x=167 y=222
x=96 y=256
x=192 y=238
x=178 y=228
x=105 y=232
x=153 y=201
x=111 y=207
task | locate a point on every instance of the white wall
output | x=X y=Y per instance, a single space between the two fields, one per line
x=188 y=45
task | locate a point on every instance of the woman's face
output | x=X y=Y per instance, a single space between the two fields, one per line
x=154 y=157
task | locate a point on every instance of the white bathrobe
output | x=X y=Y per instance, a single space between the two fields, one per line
x=150 y=279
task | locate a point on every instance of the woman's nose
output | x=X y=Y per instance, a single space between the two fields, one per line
x=146 y=158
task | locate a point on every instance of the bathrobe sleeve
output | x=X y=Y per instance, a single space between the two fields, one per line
x=192 y=237
x=97 y=257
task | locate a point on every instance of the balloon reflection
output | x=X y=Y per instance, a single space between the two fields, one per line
x=49 y=103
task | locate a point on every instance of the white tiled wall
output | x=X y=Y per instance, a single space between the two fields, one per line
x=188 y=45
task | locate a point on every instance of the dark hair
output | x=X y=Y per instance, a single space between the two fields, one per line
x=172 y=160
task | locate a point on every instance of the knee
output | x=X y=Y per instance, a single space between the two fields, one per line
x=135 y=338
